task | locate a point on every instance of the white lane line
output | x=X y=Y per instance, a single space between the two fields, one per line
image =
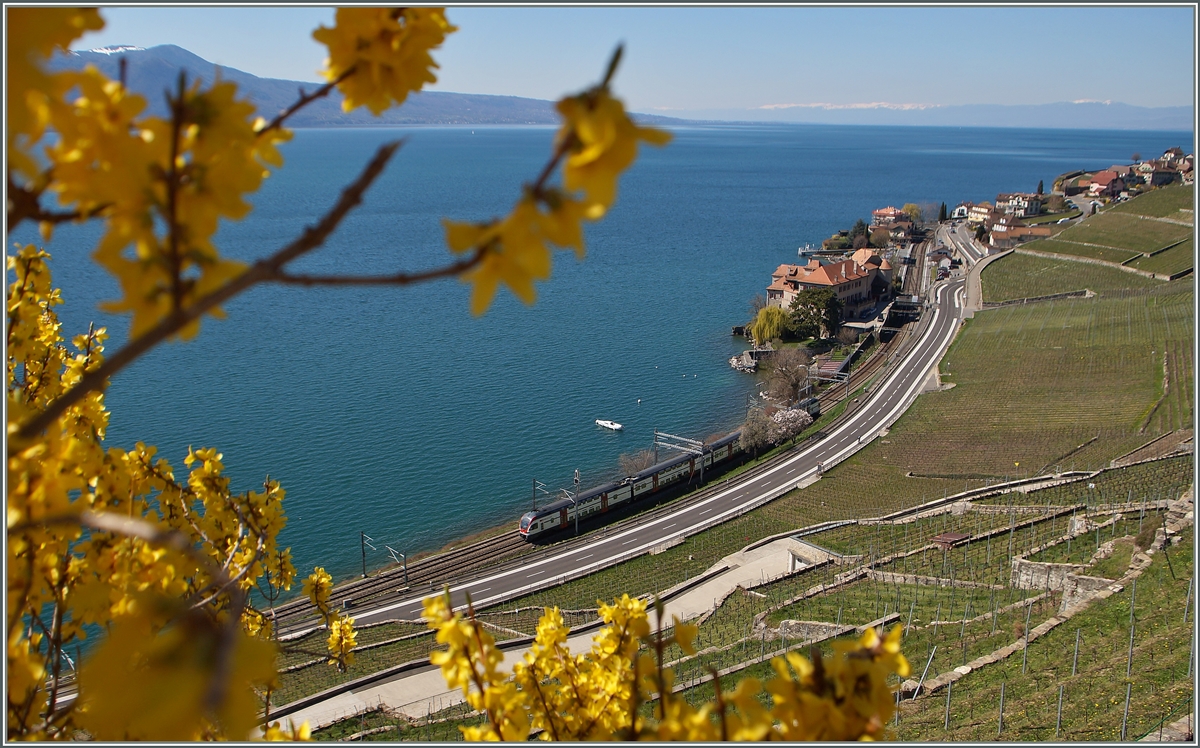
x=587 y=556
x=859 y=415
x=668 y=527
x=534 y=574
x=485 y=589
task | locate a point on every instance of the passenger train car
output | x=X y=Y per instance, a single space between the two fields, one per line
x=561 y=513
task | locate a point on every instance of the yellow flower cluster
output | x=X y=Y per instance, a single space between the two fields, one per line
x=388 y=51
x=34 y=34
x=161 y=185
x=163 y=581
x=341 y=640
x=598 y=695
x=598 y=141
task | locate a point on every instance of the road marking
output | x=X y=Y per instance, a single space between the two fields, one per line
x=631 y=540
x=485 y=589
x=668 y=527
x=706 y=511
x=581 y=558
x=534 y=574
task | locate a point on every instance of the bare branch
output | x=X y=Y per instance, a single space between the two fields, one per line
x=398 y=279
x=313 y=237
x=24 y=205
x=304 y=100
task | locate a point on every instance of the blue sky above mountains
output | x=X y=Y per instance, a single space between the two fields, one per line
x=779 y=60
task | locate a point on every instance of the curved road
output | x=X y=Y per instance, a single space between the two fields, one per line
x=878 y=411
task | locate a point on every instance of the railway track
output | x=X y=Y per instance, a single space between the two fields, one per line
x=498 y=552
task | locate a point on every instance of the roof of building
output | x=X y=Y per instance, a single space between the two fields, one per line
x=866 y=255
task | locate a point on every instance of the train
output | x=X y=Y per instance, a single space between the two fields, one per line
x=560 y=514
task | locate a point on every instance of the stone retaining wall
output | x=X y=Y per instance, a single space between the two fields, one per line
x=893 y=578
x=1036 y=575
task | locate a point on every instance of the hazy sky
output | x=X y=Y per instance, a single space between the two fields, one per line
x=704 y=58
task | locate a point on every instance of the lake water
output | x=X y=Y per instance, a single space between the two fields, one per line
x=394 y=412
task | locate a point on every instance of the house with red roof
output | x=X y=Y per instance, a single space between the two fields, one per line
x=858 y=285
x=887 y=215
x=1106 y=184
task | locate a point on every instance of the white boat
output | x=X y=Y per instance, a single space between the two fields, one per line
x=609 y=424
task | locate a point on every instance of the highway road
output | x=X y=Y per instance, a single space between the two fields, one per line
x=959 y=238
x=903 y=381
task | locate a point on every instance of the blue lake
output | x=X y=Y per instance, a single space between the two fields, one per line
x=394 y=412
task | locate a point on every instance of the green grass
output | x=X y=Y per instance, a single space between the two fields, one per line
x=1164 y=202
x=1021 y=276
x=1174 y=260
x=1051 y=217
x=1125 y=231
x=442 y=730
x=1094 y=698
x=1105 y=253
x=1161 y=479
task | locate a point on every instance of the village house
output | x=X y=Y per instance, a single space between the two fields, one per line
x=1010 y=231
x=979 y=213
x=961 y=210
x=858 y=282
x=1106 y=184
x=1020 y=204
x=887 y=215
x=1156 y=174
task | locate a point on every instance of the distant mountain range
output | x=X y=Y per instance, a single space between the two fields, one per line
x=152 y=71
x=1082 y=115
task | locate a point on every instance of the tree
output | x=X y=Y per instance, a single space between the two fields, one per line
x=942 y=213
x=771 y=323
x=858 y=229
x=788 y=424
x=913 y=211
x=880 y=238
x=787 y=373
x=1137 y=157
x=860 y=241
x=980 y=232
x=757 y=303
x=636 y=462
x=756 y=432
x=1039 y=189
x=848 y=336
x=814 y=310
x=104 y=536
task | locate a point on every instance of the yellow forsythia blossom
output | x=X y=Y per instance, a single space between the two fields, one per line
x=34 y=34
x=597 y=695
x=600 y=142
x=172 y=665
x=604 y=144
x=388 y=51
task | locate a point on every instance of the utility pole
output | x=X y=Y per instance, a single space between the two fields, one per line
x=364 y=540
x=577 y=508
